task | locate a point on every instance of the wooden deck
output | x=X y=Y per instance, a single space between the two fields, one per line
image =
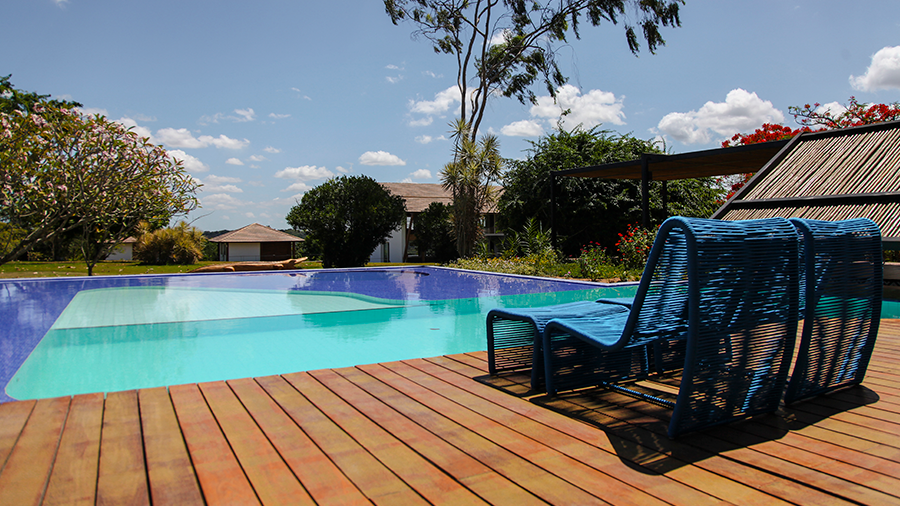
x=423 y=431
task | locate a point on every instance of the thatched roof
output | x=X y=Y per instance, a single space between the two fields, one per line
x=419 y=196
x=255 y=233
x=833 y=175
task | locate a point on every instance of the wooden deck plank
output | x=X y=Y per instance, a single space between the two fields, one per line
x=74 y=477
x=636 y=451
x=622 y=482
x=13 y=416
x=27 y=469
x=473 y=474
x=424 y=431
x=517 y=470
x=221 y=478
x=271 y=478
x=122 y=477
x=376 y=481
x=637 y=417
x=431 y=482
x=518 y=458
x=169 y=469
x=321 y=478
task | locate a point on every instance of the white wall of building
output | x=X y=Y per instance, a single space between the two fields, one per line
x=394 y=251
x=243 y=252
x=122 y=252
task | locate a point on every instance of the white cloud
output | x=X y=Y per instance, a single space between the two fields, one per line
x=393 y=80
x=524 y=128
x=882 y=74
x=90 y=111
x=141 y=131
x=270 y=149
x=223 y=142
x=257 y=158
x=588 y=110
x=431 y=74
x=222 y=202
x=191 y=163
x=392 y=67
x=304 y=173
x=249 y=215
x=278 y=116
x=427 y=120
x=343 y=170
x=380 y=158
x=406 y=180
x=245 y=114
x=500 y=37
x=442 y=102
x=227 y=188
x=427 y=139
x=742 y=111
x=299 y=186
x=234 y=161
x=214 y=179
x=421 y=174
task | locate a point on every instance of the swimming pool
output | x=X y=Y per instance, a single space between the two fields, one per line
x=64 y=336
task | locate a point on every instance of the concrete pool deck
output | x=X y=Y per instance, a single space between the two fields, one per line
x=439 y=431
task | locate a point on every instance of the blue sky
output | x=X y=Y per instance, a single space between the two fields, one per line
x=264 y=100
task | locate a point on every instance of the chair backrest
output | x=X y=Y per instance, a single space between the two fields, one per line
x=841 y=293
x=730 y=289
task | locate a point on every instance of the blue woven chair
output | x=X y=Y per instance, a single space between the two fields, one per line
x=841 y=294
x=727 y=292
x=514 y=335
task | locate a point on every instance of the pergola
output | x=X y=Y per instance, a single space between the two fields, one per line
x=660 y=167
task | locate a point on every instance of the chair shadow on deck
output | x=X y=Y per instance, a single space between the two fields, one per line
x=637 y=430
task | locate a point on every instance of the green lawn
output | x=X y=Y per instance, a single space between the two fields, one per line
x=58 y=269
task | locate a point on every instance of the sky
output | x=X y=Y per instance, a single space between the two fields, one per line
x=265 y=100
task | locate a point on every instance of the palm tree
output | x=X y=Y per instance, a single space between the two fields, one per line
x=471 y=178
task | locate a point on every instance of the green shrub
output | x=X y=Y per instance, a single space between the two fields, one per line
x=181 y=245
x=634 y=246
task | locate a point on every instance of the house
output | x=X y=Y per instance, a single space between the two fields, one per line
x=418 y=196
x=255 y=243
x=124 y=252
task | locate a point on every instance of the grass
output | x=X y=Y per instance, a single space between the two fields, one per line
x=70 y=269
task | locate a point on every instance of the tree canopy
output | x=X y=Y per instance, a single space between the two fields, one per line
x=348 y=217
x=502 y=48
x=12 y=100
x=64 y=173
x=591 y=209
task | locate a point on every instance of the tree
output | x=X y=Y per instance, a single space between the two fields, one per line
x=591 y=209
x=471 y=178
x=434 y=233
x=62 y=172
x=501 y=48
x=181 y=245
x=12 y=100
x=348 y=217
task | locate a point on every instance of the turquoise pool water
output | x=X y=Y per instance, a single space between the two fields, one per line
x=111 y=338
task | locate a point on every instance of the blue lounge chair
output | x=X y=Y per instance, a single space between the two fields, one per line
x=514 y=335
x=841 y=294
x=727 y=291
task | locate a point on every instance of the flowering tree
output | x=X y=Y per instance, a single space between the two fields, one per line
x=61 y=172
x=812 y=118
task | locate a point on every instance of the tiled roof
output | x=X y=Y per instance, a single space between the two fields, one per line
x=255 y=233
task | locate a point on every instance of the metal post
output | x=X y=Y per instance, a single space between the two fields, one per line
x=646 y=176
x=553 y=239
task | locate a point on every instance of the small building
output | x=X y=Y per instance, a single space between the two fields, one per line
x=255 y=243
x=418 y=196
x=124 y=252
